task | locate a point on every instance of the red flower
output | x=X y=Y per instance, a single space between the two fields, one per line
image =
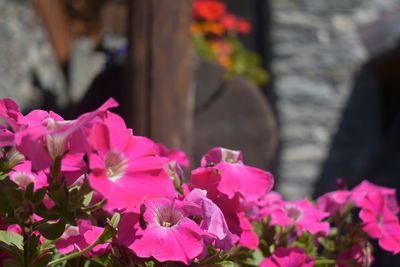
x=229 y=21
x=232 y=22
x=243 y=26
x=208 y=9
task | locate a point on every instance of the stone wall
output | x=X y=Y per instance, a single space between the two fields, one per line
x=318 y=50
x=29 y=73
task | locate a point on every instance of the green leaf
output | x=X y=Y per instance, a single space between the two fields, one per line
x=115 y=220
x=104 y=260
x=105 y=236
x=39 y=195
x=96 y=206
x=44 y=212
x=85 y=188
x=3 y=175
x=306 y=242
x=47 y=245
x=226 y=263
x=29 y=191
x=328 y=244
x=12 y=244
x=87 y=198
x=258 y=256
x=12 y=239
x=52 y=231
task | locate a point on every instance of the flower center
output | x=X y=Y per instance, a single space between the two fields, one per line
x=116 y=164
x=22 y=179
x=166 y=224
x=230 y=156
x=168 y=216
x=71 y=230
x=56 y=142
x=294 y=212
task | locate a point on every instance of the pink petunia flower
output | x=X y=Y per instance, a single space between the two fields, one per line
x=213 y=222
x=360 y=191
x=355 y=256
x=10 y=112
x=47 y=136
x=6 y=137
x=235 y=177
x=288 y=257
x=175 y=172
x=173 y=155
x=208 y=179
x=303 y=215
x=124 y=168
x=78 y=237
x=265 y=206
x=333 y=202
x=73 y=167
x=165 y=233
x=248 y=237
x=379 y=222
x=23 y=175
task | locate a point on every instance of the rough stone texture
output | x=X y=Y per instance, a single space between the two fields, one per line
x=318 y=49
x=28 y=70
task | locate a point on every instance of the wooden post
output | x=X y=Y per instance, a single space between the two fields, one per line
x=58 y=26
x=158 y=95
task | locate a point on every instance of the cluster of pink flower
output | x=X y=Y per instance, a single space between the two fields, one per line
x=90 y=188
x=378 y=213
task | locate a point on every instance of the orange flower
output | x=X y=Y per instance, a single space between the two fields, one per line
x=225 y=61
x=196 y=27
x=222 y=48
x=213 y=27
x=207 y=27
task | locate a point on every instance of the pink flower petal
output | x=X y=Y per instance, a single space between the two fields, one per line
x=251 y=182
x=248 y=238
x=168 y=235
x=288 y=257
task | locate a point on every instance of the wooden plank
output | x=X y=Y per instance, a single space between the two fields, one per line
x=58 y=26
x=159 y=71
x=137 y=98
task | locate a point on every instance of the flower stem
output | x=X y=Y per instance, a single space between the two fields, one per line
x=95 y=206
x=75 y=254
x=103 y=238
x=325 y=261
x=26 y=250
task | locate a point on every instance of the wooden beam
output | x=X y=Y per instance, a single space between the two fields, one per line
x=158 y=95
x=56 y=22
